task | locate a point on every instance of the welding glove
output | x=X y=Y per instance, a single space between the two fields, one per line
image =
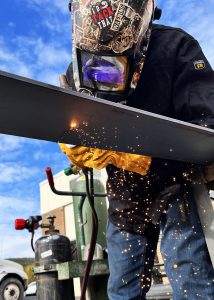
x=98 y=159
x=63 y=81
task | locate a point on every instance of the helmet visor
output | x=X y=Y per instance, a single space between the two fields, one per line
x=103 y=73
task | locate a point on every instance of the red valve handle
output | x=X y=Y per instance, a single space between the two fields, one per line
x=49 y=176
x=20 y=224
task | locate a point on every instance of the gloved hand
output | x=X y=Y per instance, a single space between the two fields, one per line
x=63 y=81
x=99 y=159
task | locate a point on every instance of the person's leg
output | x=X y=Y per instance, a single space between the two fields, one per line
x=131 y=258
x=186 y=258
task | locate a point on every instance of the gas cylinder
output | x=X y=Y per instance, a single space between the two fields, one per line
x=82 y=215
x=97 y=285
x=51 y=249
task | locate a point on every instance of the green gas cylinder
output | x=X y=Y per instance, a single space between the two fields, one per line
x=97 y=285
x=82 y=214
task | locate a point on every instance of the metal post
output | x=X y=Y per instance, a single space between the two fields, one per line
x=205 y=209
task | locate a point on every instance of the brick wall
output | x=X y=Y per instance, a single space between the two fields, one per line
x=59 y=221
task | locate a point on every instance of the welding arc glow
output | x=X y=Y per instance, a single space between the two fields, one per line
x=73 y=124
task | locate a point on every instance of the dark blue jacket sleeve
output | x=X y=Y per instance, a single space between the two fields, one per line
x=193 y=88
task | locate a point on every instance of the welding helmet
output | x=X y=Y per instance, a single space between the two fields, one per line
x=109 y=43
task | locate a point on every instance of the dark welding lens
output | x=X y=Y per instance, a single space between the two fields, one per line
x=105 y=73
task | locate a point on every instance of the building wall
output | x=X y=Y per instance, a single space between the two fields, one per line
x=69 y=222
x=59 y=221
x=50 y=201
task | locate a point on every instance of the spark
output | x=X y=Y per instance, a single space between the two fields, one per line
x=73 y=124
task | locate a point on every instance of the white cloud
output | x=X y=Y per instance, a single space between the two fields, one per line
x=13 y=148
x=4 y=55
x=13 y=62
x=54 y=16
x=58 y=26
x=19 y=207
x=41 y=155
x=34 y=58
x=11 y=24
x=60 y=5
x=15 y=245
x=51 y=5
x=50 y=55
x=49 y=76
x=10 y=143
x=13 y=172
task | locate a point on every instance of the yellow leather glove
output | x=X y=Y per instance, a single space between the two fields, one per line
x=99 y=159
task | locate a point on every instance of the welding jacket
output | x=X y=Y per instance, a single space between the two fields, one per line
x=178 y=82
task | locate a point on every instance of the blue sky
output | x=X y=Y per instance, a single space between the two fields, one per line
x=35 y=41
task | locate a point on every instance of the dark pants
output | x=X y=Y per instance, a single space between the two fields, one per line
x=186 y=258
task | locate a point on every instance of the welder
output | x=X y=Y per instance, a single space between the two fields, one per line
x=121 y=56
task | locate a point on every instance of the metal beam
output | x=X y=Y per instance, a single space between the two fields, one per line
x=36 y=110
